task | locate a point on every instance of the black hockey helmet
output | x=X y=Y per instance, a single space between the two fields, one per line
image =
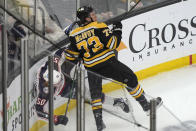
x=84 y=12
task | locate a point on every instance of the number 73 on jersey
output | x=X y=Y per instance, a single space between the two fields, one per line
x=93 y=40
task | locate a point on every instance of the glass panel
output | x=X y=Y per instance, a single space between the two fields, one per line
x=52 y=23
x=106 y=9
x=144 y=3
x=1 y=22
x=1 y=62
x=62 y=10
x=1 y=103
x=37 y=49
x=15 y=33
x=40 y=20
x=150 y=2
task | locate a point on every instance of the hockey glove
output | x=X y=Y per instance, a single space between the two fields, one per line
x=61 y=119
x=117 y=26
x=69 y=28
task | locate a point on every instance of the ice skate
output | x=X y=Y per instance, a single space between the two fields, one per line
x=146 y=106
x=122 y=104
x=101 y=127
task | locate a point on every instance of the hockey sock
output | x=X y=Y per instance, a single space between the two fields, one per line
x=136 y=92
x=97 y=111
x=143 y=102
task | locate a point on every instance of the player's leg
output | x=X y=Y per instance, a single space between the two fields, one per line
x=95 y=86
x=120 y=72
x=130 y=79
x=109 y=100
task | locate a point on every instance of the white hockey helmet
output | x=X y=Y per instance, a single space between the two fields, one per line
x=57 y=77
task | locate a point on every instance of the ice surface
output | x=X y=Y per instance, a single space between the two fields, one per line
x=178 y=113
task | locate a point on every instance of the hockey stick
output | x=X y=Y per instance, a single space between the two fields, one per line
x=119 y=116
x=71 y=92
x=125 y=119
x=69 y=28
x=123 y=16
x=109 y=79
x=133 y=7
x=129 y=104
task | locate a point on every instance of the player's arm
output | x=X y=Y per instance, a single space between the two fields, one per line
x=61 y=64
x=112 y=38
x=40 y=103
x=59 y=59
x=72 y=54
x=42 y=99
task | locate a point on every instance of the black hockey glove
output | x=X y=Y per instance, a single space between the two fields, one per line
x=61 y=119
x=117 y=26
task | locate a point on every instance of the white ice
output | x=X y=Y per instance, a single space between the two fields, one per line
x=178 y=113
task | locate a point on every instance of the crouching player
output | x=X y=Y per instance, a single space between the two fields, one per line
x=63 y=87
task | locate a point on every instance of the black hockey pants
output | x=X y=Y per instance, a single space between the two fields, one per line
x=111 y=69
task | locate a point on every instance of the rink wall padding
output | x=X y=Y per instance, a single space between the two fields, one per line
x=167 y=66
x=58 y=111
x=159 y=36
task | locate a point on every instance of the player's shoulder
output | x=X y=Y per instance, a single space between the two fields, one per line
x=98 y=25
x=95 y=25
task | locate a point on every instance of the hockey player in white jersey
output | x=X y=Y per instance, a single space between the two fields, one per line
x=63 y=87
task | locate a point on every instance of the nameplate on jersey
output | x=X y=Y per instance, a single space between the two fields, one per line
x=84 y=35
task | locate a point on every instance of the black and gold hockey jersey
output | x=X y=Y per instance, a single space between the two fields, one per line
x=94 y=43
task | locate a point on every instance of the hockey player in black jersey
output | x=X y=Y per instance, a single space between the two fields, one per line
x=95 y=43
x=62 y=87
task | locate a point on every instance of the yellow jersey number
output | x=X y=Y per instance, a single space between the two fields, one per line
x=85 y=43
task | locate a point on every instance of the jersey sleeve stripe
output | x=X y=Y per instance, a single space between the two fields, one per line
x=100 y=61
x=112 y=43
x=73 y=52
x=70 y=58
x=71 y=55
x=113 y=46
x=98 y=55
x=99 y=58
